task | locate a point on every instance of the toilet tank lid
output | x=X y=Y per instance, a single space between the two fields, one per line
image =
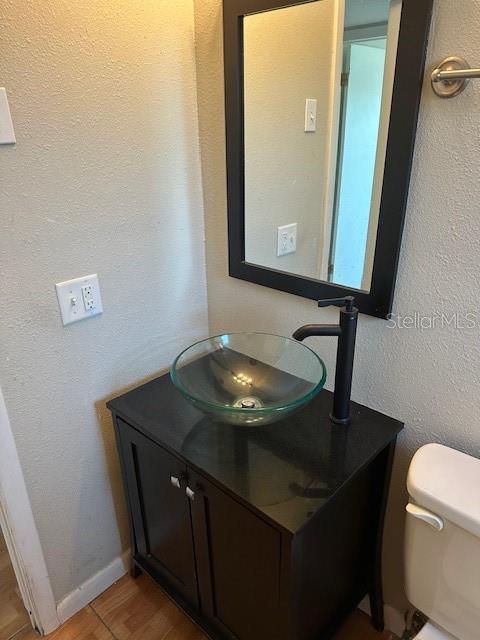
x=447 y=482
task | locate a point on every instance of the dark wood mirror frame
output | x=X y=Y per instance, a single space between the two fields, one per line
x=409 y=75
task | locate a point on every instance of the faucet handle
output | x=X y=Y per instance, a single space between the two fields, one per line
x=348 y=302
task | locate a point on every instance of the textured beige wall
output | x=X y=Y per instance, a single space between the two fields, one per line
x=289 y=56
x=427 y=378
x=105 y=178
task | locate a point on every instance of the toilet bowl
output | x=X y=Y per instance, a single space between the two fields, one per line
x=442 y=542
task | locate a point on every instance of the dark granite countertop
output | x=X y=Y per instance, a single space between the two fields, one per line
x=287 y=470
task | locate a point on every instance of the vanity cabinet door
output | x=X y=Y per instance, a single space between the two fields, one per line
x=160 y=512
x=238 y=564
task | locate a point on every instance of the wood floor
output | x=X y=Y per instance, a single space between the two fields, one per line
x=13 y=617
x=138 y=610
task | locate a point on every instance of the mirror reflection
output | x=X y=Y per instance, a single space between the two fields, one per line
x=318 y=81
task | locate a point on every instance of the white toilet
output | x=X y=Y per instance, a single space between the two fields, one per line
x=442 y=546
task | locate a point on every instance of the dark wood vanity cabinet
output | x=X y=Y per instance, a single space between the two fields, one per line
x=211 y=551
x=238 y=564
x=257 y=533
x=160 y=510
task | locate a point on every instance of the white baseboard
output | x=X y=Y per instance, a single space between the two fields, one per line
x=93 y=587
x=394 y=620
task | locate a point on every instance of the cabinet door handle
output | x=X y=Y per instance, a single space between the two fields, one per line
x=190 y=493
x=175 y=482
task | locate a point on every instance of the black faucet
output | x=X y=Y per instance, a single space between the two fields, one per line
x=345 y=331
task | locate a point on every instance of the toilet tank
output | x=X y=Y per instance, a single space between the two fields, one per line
x=442 y=544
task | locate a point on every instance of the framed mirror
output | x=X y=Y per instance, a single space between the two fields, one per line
x=322 y=101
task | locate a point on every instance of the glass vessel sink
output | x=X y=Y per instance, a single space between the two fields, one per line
x=248 y=378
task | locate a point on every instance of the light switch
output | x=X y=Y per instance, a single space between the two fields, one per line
x=7 y=134
x=310 y=115
x=79 y=299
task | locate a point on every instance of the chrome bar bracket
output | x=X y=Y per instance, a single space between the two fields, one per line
x=451 y=76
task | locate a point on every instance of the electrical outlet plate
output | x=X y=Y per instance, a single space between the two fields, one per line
x=79 y=299
x=287 y=239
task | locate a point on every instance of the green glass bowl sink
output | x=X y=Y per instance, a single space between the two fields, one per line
x=248 y=378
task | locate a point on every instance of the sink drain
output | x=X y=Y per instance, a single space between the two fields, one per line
x=248 y=402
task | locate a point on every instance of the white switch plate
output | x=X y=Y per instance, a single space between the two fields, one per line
x=310 y=115
x=79 y=298
x=7 y=134
x=287 y=239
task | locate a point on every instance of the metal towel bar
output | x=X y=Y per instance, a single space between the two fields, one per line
x=451 y=76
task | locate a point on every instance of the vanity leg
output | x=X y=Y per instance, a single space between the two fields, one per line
x=135 y=570
x=383 y=475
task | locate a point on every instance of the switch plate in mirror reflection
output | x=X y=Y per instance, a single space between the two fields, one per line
x=340 y=81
